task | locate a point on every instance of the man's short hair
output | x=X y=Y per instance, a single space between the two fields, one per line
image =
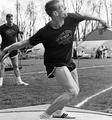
x=9 y=15
x=50 y=7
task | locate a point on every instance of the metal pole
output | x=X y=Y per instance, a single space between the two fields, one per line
x=77 y=37
x=17 y=10
x=17 y=20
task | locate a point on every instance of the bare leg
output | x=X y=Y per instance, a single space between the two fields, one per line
x=69 y=83
x=2 y=73
x=14 y=61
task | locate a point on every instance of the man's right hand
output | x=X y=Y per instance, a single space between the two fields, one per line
x=104 y=24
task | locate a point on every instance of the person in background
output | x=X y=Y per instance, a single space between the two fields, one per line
x=57 y=38
x=10 y=34
x=98 y=53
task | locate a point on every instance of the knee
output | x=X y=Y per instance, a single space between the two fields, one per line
x=2 y=65
x=74 y=91
x=15 y=67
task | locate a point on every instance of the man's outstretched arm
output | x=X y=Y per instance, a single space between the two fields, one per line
x=81 y=17
x=88 y=17
x=15 y=46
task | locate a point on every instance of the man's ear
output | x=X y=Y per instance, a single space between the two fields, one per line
x=55 y=13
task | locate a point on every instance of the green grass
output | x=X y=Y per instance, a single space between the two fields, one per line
x=43 y=90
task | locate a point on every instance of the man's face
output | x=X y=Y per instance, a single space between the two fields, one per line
x=9 y=20
x=61 y=10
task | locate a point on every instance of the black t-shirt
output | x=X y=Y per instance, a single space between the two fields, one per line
x=8 y=34
x=58 y=42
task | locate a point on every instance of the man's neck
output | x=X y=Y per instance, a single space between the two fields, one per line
x=56 y=24
x=9 y=24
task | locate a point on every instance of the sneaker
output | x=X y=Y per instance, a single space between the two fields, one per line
x=1 y=83
x=22 y=83
x=45 y=116
x=65 y=116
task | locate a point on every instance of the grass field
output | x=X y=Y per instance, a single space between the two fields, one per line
x=43 y=90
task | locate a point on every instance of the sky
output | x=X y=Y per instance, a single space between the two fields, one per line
x=9 y=5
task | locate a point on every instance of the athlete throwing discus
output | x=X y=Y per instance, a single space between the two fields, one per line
x=57 y=38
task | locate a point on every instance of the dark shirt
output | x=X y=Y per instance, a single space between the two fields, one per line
x=8 y=34
x=58 y=43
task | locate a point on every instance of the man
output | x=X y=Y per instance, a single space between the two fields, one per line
x=10 y=34
x=57 y=38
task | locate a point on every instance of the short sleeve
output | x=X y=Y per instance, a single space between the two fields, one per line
x=35 y=39
x=77 y=17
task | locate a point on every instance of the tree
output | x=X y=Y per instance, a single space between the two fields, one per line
x=106 y=9
x=3 y=17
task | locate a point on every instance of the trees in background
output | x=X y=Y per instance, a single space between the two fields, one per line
x=26 y=18
x=30 y=16
x=3 y=17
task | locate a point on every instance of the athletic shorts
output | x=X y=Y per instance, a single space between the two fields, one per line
x=51 y=68
x=13 y=53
